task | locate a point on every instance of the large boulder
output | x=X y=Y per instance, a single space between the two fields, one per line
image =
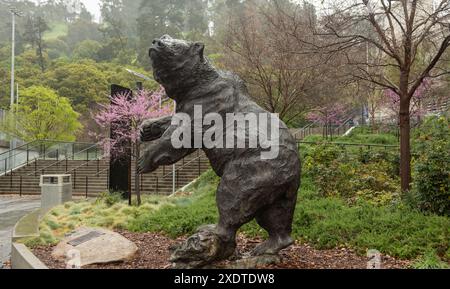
x=87 y=246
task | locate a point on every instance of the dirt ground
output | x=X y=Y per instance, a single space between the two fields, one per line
x=154 y=254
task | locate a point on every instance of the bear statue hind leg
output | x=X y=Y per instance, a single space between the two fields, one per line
x=277 y=221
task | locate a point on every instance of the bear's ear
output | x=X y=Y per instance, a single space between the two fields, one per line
x=199 y=48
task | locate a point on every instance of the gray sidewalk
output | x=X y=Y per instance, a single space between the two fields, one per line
x=11 y=210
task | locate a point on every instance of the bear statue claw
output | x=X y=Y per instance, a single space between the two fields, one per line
x=154 y=129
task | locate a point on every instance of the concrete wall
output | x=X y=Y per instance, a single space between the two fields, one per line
x=23 y=258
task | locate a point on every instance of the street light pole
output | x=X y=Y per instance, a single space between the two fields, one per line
x=13 y=55
x=13 y=143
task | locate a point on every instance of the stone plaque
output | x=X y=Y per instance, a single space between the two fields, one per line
x=85 y=238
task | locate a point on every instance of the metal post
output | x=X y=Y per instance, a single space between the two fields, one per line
x=107 y=179
x=13 y=56
x=173 y=179
x=87 y=186
x=20 y=188
x=74 y=179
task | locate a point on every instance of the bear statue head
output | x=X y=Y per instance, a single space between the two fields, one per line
x=175 y=60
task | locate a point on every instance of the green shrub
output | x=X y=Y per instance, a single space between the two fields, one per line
x=431 y=171
x=110 y=198
x=322 y=222
x=329 y=222
x=368 y=175
x=368 y=138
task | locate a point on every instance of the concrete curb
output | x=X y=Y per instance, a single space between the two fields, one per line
x=23 y=258
x=28 y=226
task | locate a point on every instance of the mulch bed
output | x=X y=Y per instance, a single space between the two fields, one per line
x=154 y=254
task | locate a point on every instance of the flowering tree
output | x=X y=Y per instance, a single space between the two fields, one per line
x=125 y=116
x=416 y=108
x=328 y=116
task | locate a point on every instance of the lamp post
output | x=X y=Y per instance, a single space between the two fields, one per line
x=14 y=13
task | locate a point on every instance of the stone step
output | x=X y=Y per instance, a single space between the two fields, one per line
x=160 y=181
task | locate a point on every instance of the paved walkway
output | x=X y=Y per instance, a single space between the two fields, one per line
x=11 y=210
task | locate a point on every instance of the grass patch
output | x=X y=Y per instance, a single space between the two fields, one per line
x=185 y=214
x=108 y=211
x=430 y=261
x=322 y=222
x=359 y=137
x=381 y=139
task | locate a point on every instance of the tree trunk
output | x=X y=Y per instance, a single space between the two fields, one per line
x=405 y=146
x=137 y=183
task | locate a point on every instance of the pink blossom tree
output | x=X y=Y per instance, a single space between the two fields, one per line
x=329 y=115
x=416 y=108
x=125 y=116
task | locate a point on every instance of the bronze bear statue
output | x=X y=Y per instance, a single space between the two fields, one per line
x=251 y=187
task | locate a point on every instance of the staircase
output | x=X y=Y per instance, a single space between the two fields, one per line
x=90 y=174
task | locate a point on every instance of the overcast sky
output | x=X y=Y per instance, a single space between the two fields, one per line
x=93 y=7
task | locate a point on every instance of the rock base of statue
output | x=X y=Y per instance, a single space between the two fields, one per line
x=204 y=248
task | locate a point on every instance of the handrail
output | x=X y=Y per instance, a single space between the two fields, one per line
x=63 y=160
x=35 y=147
x=8 y=157
x=101 y=172
x=303 y=129
x=348 y=144
x=43 y=141
x=11 y=170
x=17 y=148
x=82 y=165
x=182 y=167
x=174 y=173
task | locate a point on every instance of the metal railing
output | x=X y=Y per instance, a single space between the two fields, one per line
x=306 y=131
x=74 y=155
x=38 y=150
x=75 y=170
x=175 y=173
x=342 y=144
x=83 y=153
